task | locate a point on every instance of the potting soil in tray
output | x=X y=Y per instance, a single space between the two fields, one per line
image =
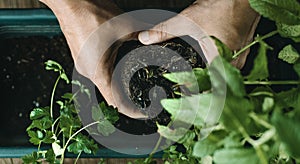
x=26 y=84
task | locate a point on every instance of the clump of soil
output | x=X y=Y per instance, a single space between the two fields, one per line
x=142 y=74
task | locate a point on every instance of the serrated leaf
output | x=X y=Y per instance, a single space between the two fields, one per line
x=224 y=76
x=43 y=123
x=230 y=156
x=289 y=31
x=288 y=130
x=171 y=134
x=105 y=128
x=289 y=54
x=223 y=50
x=50 y=156
x=34 y=139
x=48 y=137
x=110 y=113
x=287 y=11
x=260 y=66
x=68 y=123
x=192 y=109
x=30 y=158
x=83 y=144
x=37 y=113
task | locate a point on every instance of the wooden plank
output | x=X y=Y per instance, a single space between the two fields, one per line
x=121 y=3
x=20 y=4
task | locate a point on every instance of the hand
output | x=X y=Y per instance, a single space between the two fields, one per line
x=79 y=19
x=233 y=22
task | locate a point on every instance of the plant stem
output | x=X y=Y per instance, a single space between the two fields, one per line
x=77 y=157
x=56 y=120
x=77 y=132
x=271 y=82
x=257 y=40
x=260 y=121
x=156 y=146
x=52 y=99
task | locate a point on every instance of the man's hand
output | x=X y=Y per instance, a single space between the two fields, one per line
x=231 y=21
x=79 y=21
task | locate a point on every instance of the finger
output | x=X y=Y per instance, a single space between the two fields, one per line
x=173 y=27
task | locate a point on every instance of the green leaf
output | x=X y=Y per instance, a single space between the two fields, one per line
x=69 y=123
x=192 y=109
x=260 y=68
x=110 y=113
x=61 y=104
x=288 y=131
x=233 y=140
x=282 y=11
x=105 y=128
x=49 y=137
x=223 y=73
x=97 y=114
x=235 y=115
x=65 y=77
x=83 y=144
x=82 y=88
x=37 y=113
x=42 y=124
x=50 y=156
x=57 y=149
x=53 y=65
x=171 y=134
x=230 y=156
x=195 y=81
x=297 y=68
x=268 y=104
x=289 y=31
x=223 y=50
x=31 y=158
x=290 y=98
x=289 y=54
x=34 y=138
x=68 y=96
x=204 y=148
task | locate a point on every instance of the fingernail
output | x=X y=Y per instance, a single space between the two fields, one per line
x=144 y=37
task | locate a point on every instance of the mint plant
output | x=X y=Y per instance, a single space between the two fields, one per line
x=63 y=133
x=256 y=126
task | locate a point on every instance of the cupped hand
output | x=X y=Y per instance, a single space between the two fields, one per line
x=233 y=22
x=81 y=22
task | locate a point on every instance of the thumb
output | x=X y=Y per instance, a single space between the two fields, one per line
x=163 y=31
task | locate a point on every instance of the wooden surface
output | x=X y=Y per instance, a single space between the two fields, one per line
x=20 y=4
x=80 y=161
x=122 y=3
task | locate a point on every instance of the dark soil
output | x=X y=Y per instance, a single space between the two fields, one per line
x=25 y=83
x=143 y=70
